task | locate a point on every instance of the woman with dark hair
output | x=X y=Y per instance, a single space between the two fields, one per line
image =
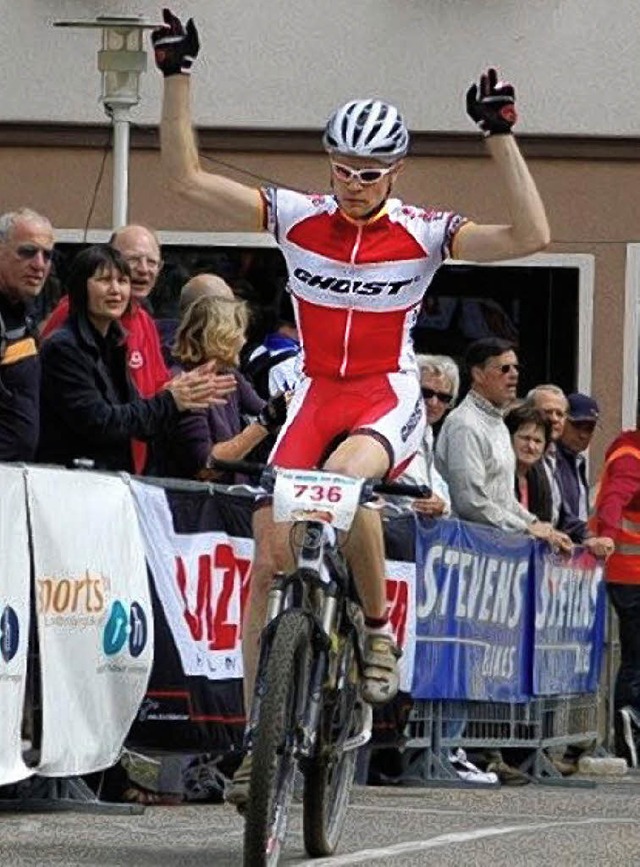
x=530 y=435
x=90 y=408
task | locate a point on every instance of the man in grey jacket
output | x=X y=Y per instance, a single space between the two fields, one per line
x=476 y=458
x=474 y=452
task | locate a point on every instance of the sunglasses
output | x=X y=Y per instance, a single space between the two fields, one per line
x=363 y=176
x=30 y=251
x=507 y=368
x=442 y=396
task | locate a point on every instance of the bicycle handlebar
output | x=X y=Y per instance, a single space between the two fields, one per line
x=397 y=489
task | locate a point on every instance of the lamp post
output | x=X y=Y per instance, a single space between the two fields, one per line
x=121 y=60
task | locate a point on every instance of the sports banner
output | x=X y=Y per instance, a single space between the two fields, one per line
x=95 y=623
x=15 y=596
x=199 y=550
x=473 y=613
x=570 y=615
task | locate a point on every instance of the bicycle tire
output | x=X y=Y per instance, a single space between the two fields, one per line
x=329 y=775
x=273 y=768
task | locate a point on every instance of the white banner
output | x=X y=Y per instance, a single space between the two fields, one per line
x=95 y=620
x=401 y=596
x=15 y=582
x=202 y=580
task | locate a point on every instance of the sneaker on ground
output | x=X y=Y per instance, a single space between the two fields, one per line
x=631 y=732
x=381 y=679
x=237 y=792
x=467 y=771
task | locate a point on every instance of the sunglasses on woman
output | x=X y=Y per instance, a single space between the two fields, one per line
x=443 y=396
x=362 y=176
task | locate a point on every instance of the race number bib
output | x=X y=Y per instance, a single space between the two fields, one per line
x=301 y=495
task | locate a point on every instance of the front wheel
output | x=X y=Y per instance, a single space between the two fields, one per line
x=276 y=736
x=330 y=773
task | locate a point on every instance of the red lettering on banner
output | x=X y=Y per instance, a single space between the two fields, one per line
x=224 y=633
x=398 y=599
x=211 y=611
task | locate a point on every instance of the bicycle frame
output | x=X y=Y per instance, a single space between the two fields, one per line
x=319 y=586
x=307 y=708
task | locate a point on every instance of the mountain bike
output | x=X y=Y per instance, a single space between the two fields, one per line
x=307 y=712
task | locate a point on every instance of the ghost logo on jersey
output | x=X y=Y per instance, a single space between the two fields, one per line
x=356 y=287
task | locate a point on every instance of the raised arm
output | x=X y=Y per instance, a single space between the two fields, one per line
x=492 y=107
x=175 y=48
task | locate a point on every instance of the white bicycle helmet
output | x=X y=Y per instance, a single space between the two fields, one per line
x=367 y=128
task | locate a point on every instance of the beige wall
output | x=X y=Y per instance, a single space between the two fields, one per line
x=282 y=64
x=592 y=205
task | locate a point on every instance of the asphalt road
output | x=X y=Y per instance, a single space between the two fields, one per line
x=529 y=825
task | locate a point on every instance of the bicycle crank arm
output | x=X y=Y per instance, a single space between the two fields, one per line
x=364 y=735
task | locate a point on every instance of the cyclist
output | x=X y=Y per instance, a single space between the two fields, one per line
x=359 y=262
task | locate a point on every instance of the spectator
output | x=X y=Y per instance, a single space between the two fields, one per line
x=212 y=330
x=204 y=285
x=439 y=383
x=474 y=452
x=275 y=365
x=475 y=456
x=530 y=434
x=140 y=248
x=26 y=248
x=617 y=518
x=209 y=285
x=89 y=406
x=576 y=436
x=551 y=401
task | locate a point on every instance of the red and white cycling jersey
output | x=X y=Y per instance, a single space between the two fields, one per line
x=356 y=287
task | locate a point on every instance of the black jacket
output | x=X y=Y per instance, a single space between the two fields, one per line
x=540 y=502
x=19 y=382
x=89 y=407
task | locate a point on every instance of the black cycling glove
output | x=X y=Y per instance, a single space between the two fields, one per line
x=175 y=46
x=492 y=105
x=273 y=413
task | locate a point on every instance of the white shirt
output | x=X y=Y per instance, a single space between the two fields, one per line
x=422 y=471
x=475 y=456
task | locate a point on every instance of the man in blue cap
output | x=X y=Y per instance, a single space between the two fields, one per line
x=580 y=423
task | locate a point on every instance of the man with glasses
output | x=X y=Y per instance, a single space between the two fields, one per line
x=26 y=248
x=141 y=250
x=475 y=455
x=474 y=451
x=359 y=263
x=552 y=402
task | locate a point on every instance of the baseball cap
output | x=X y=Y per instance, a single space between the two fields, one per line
x=582 y=408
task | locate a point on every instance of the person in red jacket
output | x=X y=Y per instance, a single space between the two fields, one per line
x=617 y=517
x=140 y=248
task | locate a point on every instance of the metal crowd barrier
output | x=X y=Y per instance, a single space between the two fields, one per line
x=435 y=728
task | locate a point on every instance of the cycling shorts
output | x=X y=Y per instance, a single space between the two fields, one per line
x=322 y=412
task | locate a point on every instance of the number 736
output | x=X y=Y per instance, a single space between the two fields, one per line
x=318 y=493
